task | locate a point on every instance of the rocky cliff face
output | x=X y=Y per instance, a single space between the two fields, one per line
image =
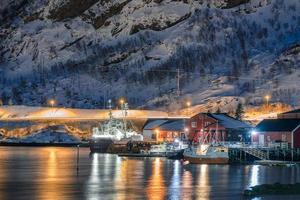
x=85 y=52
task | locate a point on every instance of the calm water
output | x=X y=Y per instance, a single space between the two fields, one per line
x=50 y=173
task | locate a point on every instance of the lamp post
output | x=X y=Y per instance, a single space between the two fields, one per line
x=122 y=102
x=188 y=104
x=52 y=102
x=267 y=97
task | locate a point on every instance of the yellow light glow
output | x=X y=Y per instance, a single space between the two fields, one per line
x=122 y=101
x=52 y=102
x=188 y=104
x=53 y=113
x=267 y=97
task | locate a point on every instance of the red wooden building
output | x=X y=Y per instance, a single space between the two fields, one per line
x=218 y=127
x=283 y=131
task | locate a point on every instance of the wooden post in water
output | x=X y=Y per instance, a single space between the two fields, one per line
x=240 y=155
x=292 y=154
x=77 y=160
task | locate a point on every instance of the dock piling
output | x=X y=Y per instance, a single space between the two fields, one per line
x=77 y=160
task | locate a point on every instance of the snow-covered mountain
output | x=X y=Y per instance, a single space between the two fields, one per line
x=84 y=52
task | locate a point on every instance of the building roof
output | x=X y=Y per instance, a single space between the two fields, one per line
x=277 y=125
x=161 y=124
x=229 y=122
x=173 y=125
x=154 y=123
x=292 y=111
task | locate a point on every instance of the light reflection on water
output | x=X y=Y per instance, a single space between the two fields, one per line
x=50 y=173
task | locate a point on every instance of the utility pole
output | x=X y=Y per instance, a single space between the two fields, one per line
x=178 y=82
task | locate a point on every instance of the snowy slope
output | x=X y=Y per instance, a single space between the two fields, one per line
x=84 y=52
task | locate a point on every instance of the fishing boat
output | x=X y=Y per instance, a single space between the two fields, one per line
x=207 y=154
x=170 y=150
x=112 y=131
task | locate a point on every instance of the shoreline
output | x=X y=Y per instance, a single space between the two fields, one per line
x=17 y=144
x=273 y=189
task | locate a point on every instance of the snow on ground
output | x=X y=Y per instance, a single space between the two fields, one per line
x=83 y=65
x=28 y=113
x=46 y=136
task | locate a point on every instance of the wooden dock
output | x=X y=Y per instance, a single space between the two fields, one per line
x=250 y=154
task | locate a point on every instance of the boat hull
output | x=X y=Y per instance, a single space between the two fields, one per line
x=100 y=145
x=200 y=160
x=177 y=155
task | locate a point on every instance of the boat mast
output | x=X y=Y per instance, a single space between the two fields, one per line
x=110 y=109
x=124 y=109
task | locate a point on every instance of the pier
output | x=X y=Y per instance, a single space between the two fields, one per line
x=250 y=154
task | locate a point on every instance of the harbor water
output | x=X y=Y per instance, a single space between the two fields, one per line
x=51 y=173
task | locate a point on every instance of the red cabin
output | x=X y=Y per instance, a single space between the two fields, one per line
x=281 y=132
x=218 y=127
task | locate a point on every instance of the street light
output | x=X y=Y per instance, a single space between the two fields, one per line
x=121 y=101
x=52 y=102
x=267 y=97
x=188 y=103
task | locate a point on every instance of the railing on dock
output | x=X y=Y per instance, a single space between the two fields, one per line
x=256 y=153
x=250 y=153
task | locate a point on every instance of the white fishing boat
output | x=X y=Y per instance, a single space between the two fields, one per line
x=112 y=131
x=207 y=154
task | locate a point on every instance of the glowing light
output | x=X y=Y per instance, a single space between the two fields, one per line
x=267 y=97
x=52 y=102
x=186 y=129
x=122 y=101
x=188 y=103
x=253 y=132
x=53 y=113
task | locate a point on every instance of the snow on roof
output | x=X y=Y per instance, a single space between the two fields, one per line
x=173 y=125
x=152 y=124
x=170 y=125
x=292 y=111
x=277 y=125
x=229 y=122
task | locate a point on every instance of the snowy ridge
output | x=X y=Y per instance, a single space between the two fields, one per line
x=107 y=49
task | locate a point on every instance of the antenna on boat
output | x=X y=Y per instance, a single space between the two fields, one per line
x=110 y=109
x=125 y=108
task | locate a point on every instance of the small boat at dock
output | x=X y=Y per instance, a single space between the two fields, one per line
x=170 y=150
x=206 y=154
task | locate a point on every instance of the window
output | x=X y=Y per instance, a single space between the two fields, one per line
x=206 y=124
x=194 y=124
